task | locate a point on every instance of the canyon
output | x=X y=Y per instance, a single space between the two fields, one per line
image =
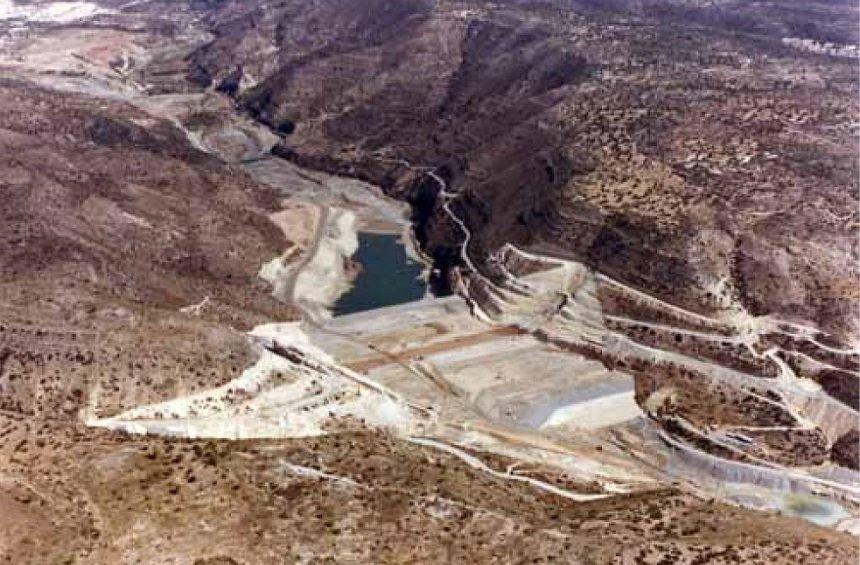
x=606 y=311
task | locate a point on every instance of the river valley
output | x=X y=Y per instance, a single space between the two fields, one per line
x=230 y=313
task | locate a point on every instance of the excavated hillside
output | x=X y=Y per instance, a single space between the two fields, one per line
x=702 y=152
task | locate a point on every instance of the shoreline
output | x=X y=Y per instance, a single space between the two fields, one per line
x=320 y=276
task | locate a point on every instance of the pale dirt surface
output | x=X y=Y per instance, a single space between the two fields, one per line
x=59 y=12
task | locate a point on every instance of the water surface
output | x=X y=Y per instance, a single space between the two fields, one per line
x=388 y=276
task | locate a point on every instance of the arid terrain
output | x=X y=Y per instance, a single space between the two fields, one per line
x=637 y=224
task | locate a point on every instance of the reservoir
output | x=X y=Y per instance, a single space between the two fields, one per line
x=388 y=275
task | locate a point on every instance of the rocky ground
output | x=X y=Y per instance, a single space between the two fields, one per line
x=71 y=494
x=113 y=224
x=688 y=140
x=694 y=151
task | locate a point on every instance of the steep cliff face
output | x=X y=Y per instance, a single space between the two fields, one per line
x=677 y=147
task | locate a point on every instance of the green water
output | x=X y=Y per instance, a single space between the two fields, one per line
x=815 y=509
x=388 y=276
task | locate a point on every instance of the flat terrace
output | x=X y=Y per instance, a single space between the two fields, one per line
x=434 y=352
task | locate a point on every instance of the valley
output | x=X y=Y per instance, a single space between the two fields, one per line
x=269 y=282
